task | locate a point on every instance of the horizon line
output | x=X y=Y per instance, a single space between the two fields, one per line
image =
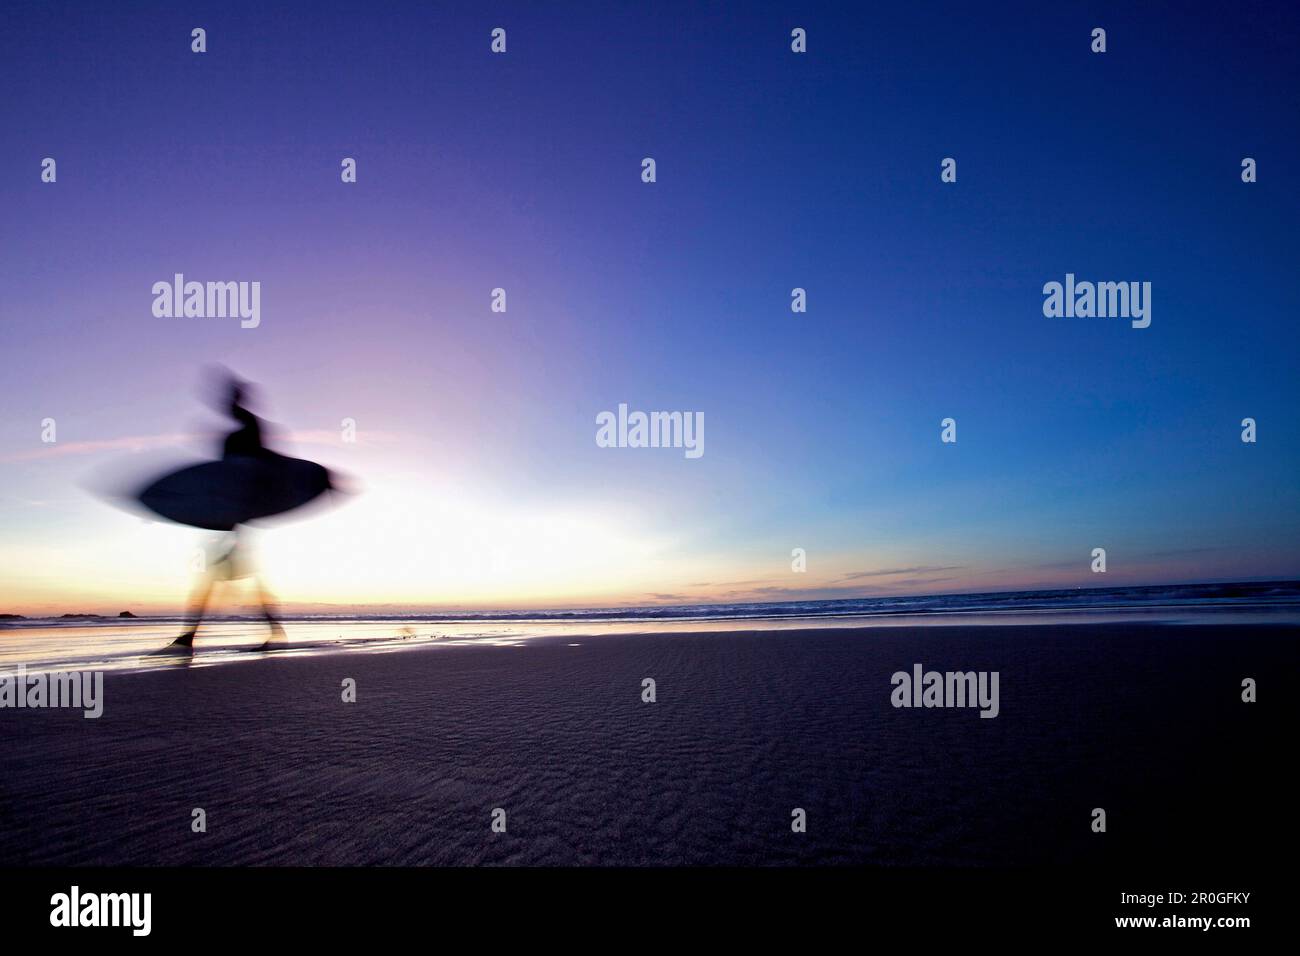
x=379 y=609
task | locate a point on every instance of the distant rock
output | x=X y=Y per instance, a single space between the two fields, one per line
x=12 y=617
x=79 y=617
x=126 y=614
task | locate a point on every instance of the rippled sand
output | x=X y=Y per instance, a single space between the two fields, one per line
x=1144 y=720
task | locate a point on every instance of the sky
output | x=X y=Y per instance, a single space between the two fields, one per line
x=480 y=480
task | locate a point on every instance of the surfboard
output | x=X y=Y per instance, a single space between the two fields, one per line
x=217 y=495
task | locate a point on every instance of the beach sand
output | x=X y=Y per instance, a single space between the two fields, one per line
x=1145 y=721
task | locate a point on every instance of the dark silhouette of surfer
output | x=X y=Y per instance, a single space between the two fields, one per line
x=247 y=438
x=248 y=482
x=231 y=560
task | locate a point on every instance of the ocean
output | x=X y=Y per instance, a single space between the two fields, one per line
x=110 y=643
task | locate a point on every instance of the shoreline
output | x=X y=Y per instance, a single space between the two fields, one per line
x=140 y=645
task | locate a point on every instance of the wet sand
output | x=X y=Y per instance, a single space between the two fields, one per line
x=1145 y=721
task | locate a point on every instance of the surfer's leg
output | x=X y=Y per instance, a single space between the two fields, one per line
x=218 y=563
x=193 y=617
x=268 y=610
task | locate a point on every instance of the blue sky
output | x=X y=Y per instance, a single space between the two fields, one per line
x=775 y=170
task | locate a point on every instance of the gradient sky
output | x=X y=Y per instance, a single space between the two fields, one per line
x=483 y=483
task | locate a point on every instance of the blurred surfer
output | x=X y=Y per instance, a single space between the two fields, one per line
x=247 y=484
x=227 y=558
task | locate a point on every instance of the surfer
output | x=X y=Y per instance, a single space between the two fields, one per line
x=247 y=438
x=226 y=558
x=248 y=472
x=247 y=484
